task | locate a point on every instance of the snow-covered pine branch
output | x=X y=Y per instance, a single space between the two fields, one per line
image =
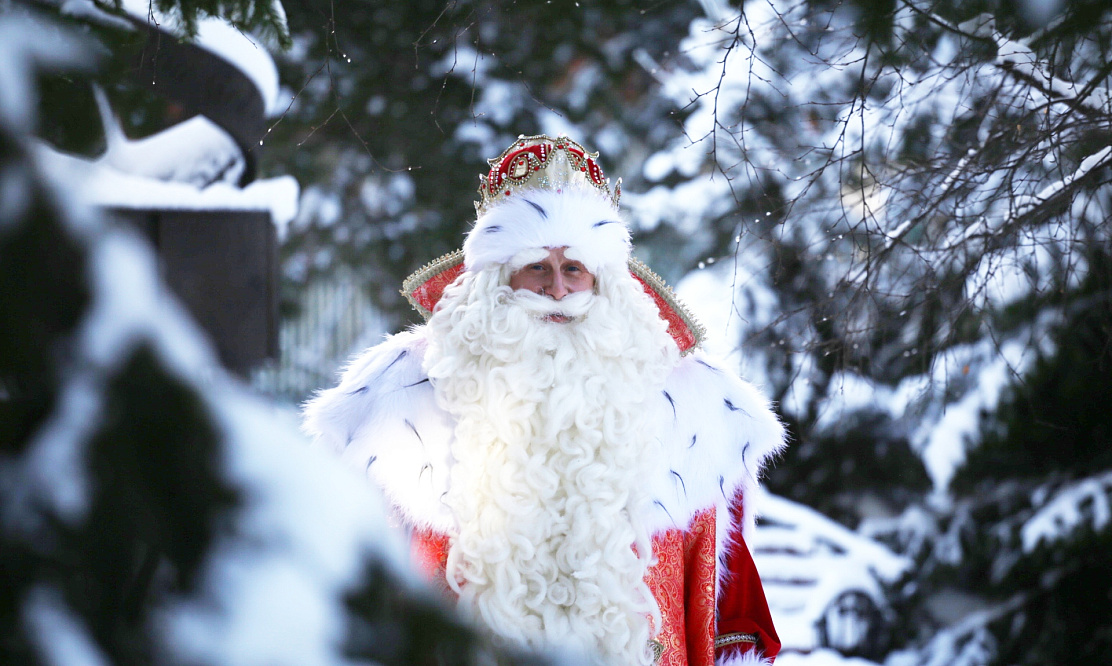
x=1052 y=194
x=1082 y=504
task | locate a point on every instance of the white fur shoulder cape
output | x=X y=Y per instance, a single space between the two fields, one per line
x=717 y=433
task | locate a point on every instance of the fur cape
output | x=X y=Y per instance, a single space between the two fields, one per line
x=717 y=434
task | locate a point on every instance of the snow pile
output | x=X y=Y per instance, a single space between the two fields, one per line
x=807 y=563
x=100 y=184
x=822 y=657
x=194 y=165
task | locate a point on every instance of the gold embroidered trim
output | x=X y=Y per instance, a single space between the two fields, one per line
x=658 y=650
x=636 y=266
x=426 y=273
x=657 y=283
x=733 y=639
x=528 y=171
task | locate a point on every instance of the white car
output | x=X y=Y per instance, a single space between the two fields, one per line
x=822 y=580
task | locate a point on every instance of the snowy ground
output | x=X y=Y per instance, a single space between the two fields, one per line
x=820 y=658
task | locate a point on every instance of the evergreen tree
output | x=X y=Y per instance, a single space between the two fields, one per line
x=907 y=201
x=152 y=511
x=1036 y=493
x=394 y=108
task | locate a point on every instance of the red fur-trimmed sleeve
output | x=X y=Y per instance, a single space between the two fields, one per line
x=745 y=634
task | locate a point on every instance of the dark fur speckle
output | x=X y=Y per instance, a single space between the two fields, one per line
x=414 y=429
x=387 y=368
x=661 y=505
x=682 y=484
x=734 y=408
x=538 y=208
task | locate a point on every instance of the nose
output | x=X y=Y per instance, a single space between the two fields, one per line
x=556 y=287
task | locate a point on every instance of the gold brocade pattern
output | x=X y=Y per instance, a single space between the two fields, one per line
x=665 y=579
x=700 y=553
x=682 y=325
x=683 y=583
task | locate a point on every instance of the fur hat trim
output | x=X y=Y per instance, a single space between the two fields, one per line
x=578 y=218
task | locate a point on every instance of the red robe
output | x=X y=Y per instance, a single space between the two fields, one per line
x=699 y=626
x=716 y=434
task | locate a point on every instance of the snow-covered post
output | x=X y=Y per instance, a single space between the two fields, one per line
x=189 y=187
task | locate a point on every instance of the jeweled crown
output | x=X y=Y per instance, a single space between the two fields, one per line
x=542 y=162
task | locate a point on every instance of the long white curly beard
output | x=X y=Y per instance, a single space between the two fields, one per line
x=553 y=443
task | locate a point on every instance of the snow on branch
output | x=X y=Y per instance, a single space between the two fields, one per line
x=1086 y=502
x=1026 y=205
x=1018 y=59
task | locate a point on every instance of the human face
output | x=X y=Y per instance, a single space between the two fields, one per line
x=554 y=276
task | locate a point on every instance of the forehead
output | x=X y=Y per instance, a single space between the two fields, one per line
x=556 y=255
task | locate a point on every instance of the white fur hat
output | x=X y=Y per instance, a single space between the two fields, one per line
x=545 y=192
x=577 y=218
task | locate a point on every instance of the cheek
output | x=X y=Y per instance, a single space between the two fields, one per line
x=523 y=281
x=585 y=282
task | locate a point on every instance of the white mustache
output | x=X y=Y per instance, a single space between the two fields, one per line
x=571 y=307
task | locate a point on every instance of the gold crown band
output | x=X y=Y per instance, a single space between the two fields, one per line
x=542 y=162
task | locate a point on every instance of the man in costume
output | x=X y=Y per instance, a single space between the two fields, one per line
x=571 y=467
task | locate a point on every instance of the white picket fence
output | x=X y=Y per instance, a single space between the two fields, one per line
x=336 y=319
